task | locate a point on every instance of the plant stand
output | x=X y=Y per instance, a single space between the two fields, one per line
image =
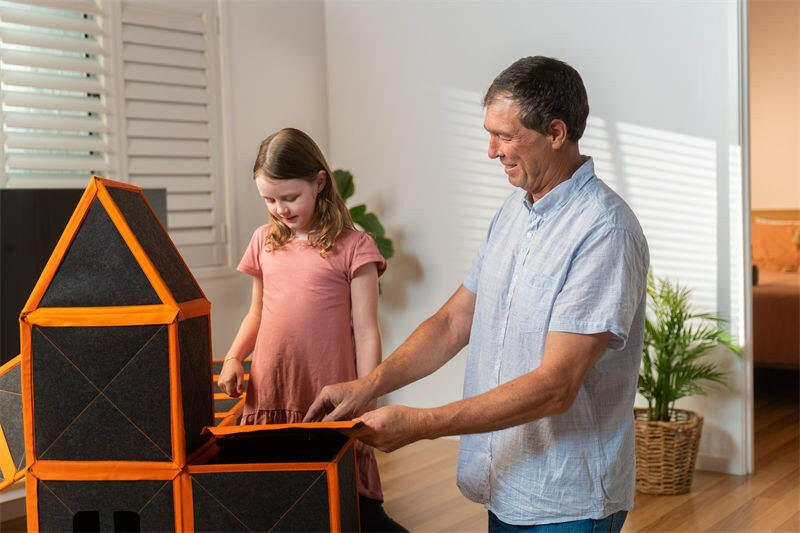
x=666 y=452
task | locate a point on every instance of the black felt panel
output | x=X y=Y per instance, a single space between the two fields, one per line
x=100 y=352
x=348 y=493
x=260 y=499
x=290 y=445
x=59 y=390
x=146 y=498
x=11 y=414
x=99 y=269
x=310 y=513
x=141 y=390
x=198 y=401
x=210 y=516
x=54 y=515
x=156 y=244
x=102 y=433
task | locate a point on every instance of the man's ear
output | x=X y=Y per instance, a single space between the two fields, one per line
x=557 y=133
x=320 y=180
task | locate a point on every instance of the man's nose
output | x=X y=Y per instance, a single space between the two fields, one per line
x=493 y=152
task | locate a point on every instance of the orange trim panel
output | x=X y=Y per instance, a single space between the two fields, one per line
x=255 y=467
x=222 y=431
x=333 y=497
x=176 y=399
x=133 y=315
x=26 y=375
x=32 y=502
x=104 y=470
x=194 y=308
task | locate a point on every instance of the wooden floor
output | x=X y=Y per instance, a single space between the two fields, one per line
x=421 y=493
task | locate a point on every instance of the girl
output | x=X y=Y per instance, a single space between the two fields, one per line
x=313 y=314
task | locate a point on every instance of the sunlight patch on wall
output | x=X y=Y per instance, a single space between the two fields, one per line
x=476 y=185
x=671 y=183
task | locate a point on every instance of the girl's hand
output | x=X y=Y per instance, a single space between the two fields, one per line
x=231 y=378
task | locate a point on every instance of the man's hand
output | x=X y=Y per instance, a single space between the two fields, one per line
x=341 y=401
x=391 y=427
x=231 y=378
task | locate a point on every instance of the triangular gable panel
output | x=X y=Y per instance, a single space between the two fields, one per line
x=155 y=241
x=99 y=270
x=12 y=443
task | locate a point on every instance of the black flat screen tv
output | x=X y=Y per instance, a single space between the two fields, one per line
x=31 y=222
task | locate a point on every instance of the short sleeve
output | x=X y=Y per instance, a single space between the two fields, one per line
x=249 y=263
x=604 y=287
x=366 y=251
x=471 y=281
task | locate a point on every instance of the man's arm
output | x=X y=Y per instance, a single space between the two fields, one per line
x=548 y=390
x=429 y=347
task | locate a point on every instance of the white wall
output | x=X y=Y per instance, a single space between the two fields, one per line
x=273 y=70
x=404 y=86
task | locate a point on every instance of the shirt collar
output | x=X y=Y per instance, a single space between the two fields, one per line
x=561 y=193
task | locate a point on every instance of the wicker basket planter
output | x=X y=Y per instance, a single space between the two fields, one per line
x=666 y=452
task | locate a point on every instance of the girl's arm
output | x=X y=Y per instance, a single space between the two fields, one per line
x=231 y=377
x=366 y=333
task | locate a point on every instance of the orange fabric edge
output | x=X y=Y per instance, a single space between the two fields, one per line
x=202 y=293
x=104 y=470
x=333 y=497
x=134 y=315
x=176 y=399
x=32 y=502
x=194 y=308
x=135 y=247
x=26 y=376
x=184 y=503
x=117 y=184
x=11 y=363
x=255 y=467
x=6 y=461
x=64 y=242
x=222 y=431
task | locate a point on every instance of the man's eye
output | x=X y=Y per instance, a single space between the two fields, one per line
x=269 y=200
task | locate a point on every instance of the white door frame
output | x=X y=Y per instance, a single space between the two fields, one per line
x=748 y=436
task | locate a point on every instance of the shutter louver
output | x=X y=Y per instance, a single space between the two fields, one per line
x=169 y=120
x=55 y=98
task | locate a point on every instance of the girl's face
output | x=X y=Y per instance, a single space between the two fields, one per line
x=291 y=201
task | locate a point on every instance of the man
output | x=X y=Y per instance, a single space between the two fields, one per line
x=553 y=311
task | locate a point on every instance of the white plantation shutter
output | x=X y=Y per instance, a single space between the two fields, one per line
x=55 y=95
x=127 y=90
x=171 y=118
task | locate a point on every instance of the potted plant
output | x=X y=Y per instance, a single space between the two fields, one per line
x=366 y=220
x=677 y=340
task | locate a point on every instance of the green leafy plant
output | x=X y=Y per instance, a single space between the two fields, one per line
x=366 y=220
x=676 y=340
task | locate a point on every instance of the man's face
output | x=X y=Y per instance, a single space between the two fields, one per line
x=524 y=153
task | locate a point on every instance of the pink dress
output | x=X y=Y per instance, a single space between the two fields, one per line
x=305 y=339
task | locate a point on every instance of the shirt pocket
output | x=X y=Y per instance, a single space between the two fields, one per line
x=534 y=302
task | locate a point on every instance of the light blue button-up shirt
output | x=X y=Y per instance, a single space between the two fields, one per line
x=575 y=261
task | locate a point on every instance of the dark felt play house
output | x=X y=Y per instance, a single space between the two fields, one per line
x=115 y=386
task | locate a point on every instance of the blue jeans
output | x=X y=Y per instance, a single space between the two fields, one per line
x=612 y=523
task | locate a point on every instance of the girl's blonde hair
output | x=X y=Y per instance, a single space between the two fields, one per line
x=291 y=154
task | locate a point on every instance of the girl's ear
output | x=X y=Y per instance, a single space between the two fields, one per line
x=319 y=182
